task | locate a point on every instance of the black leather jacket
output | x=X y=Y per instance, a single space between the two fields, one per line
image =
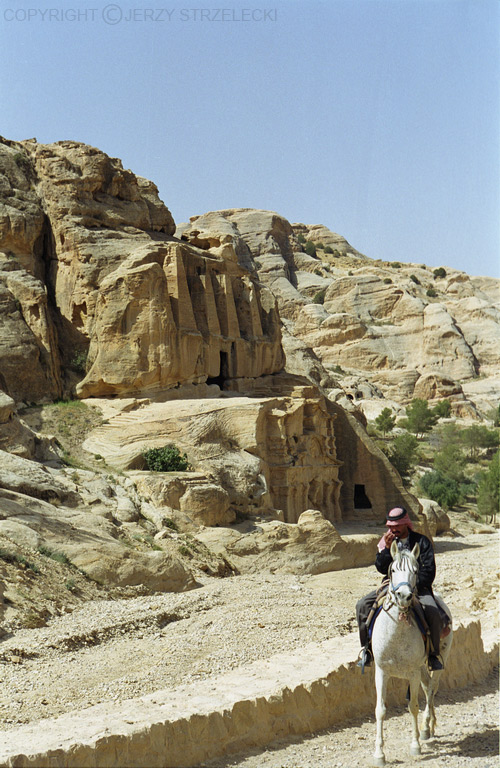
x=427 y=564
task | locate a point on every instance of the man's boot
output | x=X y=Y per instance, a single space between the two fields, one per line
x=434 y=663
x=365 y=658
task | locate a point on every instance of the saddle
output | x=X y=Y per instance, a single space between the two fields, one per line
x=418 y=614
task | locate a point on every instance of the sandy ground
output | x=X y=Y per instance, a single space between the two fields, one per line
x=107 y=651
x=466 y=737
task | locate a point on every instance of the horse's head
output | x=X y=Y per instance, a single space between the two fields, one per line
x=403 y=574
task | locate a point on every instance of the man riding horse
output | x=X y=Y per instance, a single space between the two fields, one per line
x=400 y=529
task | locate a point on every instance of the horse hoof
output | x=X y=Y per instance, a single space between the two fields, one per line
x=415 y=751
x=378 y=762
x=424 y=735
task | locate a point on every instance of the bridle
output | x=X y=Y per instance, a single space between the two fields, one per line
x=392 y=598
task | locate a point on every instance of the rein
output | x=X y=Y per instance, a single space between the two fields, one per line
x=391 y=593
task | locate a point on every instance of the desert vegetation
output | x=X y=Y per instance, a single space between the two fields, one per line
x=449 y=461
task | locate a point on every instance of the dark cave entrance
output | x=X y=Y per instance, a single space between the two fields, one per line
x=361 y=500
x=223 y=371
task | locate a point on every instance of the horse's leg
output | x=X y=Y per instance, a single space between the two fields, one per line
x=430 y=687
x=413 y=707
x=381 y=687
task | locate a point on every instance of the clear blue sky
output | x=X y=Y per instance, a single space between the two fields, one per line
x=378 y=118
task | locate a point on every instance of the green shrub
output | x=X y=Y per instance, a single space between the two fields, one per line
x=431 y=292
x=301 y=238
x=488 y=492
x=445 y=490
x=442 y=409
x=310 y=248
x=415 y=279
x=395 y=265
x=319 y=297
x=320 y=246
x=439 y=272
x=15 y=559
x=495 y=416
x=328 y=249
x=79 y=361
x=403 y=454
x=387 y=280
x=166 y=459
x=479 y=436
x=59 y=557
x=22 y=161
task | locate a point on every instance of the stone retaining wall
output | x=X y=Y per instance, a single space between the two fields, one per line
x=301 y=692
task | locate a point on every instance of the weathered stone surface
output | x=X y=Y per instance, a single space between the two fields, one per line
x=437 y=519
x=310 y=546
x=7 y=407
x=376 y=320
x=39 y=506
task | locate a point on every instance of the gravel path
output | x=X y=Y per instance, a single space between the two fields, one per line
x=115 y=650
x=466 y=737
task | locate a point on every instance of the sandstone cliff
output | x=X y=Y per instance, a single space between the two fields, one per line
x=411 y=333
x=234 y=338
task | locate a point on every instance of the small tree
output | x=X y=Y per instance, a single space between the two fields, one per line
x=478 y=436
x=450 y=462
x=385 y=421
x=442 y=409
x=419 y=417
x=403 y=454
x=431 y=293
x=488 y=493
x=446 y=491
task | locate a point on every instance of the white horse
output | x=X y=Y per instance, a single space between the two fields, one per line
x=399 y=650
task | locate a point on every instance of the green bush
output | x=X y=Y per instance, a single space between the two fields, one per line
x=15 y=559
x=166 y=459
x=445 y=490
x=442 y=409
x=301 y=238
x=320 y=246
x=59 y=557
x=403 y=454
x=395 y=265
x=478 y=436
x=319 y=297
x=79 y=361
x=488 y=492
x=415 y=279
x=310 y=248
x=387 y=280
x=328 y=249
x=439 y=272
x=432 y=293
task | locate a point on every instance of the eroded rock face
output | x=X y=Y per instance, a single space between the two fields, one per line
x=394 y=323
x=92 y=281
x=311 y=546
x=40 y=507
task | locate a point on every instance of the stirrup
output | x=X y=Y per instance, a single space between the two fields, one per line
x=365 y=659
x=434 y=663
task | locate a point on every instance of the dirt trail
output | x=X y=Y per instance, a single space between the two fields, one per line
x=466 y=737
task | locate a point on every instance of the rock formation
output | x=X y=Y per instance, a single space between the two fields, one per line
x=413 y=333
x=247 y=341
